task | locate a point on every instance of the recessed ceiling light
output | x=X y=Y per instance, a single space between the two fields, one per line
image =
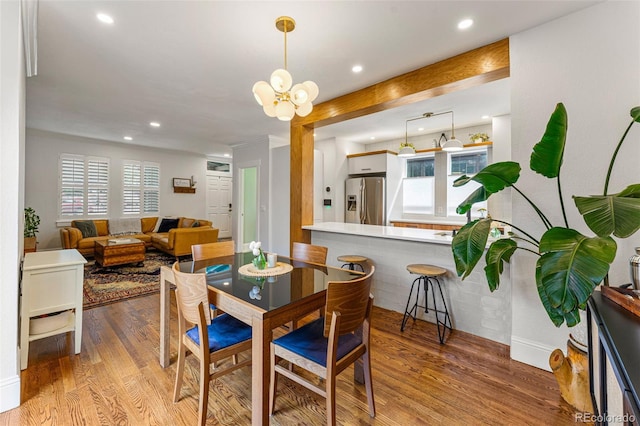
x=154 y=124
x=356 y=68
x=128 y=138
x=103 y=17
x=420 y=129
x=227 y=155
x=465 y=23
x=372 y=137
x=484 y=117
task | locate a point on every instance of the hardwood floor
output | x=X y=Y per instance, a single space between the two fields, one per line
x=117 y=379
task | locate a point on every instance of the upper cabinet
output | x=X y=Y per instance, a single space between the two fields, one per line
x=371 y=162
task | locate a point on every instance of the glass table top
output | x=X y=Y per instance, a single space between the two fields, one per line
x=272 y=292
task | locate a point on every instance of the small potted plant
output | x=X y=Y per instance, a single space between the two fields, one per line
x=478 y=137
x=31 y=223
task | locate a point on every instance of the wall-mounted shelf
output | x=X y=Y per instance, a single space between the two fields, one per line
x=182 y=190
x=363 y=154
x=469 y=145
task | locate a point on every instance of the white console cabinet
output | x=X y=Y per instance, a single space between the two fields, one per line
x=51 y=282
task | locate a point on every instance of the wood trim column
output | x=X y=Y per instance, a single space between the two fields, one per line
x=469 y=69
x=301 y=183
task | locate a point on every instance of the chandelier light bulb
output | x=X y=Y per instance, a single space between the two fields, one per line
x=299 y=94
x=269 y=109
x=285 y=111
x=304 y=109
x=281 y=80
x=264 y=93
x=313 y=90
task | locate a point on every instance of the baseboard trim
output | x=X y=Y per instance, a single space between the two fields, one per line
x=9 y=393
x=531 y=353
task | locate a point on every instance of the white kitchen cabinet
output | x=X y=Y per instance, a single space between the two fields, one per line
x=370 y=162
x=51 y=282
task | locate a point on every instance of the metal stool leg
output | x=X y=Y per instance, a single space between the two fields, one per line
x=413 y=311
x=445 y=323
x=352 y=266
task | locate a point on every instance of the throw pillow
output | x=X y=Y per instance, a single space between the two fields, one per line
x=87 y=227
x=187 y=223
x=167 y=224
x=195 y=224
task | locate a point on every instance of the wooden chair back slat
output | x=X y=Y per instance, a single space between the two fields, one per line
x=350 y=299
x=212 y=250
x=191 y=292
x=309 y=253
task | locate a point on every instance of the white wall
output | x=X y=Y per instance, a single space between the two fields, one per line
x=12 y=105
x=280 y=200
x=41 y=191
x=499 y=205
x=589 y=61
x=336 y=171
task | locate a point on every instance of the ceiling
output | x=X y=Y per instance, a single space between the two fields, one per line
x=190 y=65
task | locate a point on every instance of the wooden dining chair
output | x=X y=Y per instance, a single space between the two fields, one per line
x=309 y=253
x=330 y=344
x=212 y=250
x=209 y=340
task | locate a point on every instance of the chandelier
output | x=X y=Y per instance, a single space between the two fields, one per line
x=278 y=98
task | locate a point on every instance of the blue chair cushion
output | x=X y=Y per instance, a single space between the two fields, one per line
x=224 y=331
x=309 y=342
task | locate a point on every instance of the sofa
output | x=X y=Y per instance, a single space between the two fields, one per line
x=174 y=236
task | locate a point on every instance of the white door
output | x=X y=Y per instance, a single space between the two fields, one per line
x=219 y=204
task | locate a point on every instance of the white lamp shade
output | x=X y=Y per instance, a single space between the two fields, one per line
x=285 y=111
x=264 y=93
x=299 y=94
x=304 y=109
x=406 y=151
x=312 y=89
x=452 y=145
x=269 y=109
x=281 y=80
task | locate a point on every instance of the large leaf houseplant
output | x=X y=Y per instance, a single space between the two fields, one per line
x=569 y=265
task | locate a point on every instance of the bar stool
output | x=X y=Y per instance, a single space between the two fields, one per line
x=353 y=260
x=428 y=276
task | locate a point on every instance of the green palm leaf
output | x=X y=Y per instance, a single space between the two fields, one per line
x=493 y=178
x=617 y=214
x=546 y=157
x=500 y=251
x=469 y=244
x=570 y=268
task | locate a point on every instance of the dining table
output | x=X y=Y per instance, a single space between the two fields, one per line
x=265 y=300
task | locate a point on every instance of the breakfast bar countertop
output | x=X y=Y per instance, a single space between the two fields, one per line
x=390 y=232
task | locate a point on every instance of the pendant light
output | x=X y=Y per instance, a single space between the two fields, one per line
x=451 y=144
x=278 y=98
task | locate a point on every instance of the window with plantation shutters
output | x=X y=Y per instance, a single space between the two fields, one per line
x=84 y=186
x=141 y=188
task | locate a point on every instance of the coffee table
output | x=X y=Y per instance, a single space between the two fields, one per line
x=119 y=251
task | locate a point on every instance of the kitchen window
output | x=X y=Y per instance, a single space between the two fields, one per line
x=419 y=167
x=423 y=181
x=419 y=186
x=466 y=163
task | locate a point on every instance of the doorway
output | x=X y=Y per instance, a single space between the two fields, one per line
x=248 y=198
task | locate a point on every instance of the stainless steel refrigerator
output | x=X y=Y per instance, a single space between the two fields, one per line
x=365 y=200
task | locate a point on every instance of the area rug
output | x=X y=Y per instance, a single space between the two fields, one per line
x=116 y=283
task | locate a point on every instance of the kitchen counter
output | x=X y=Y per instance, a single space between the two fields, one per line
x=473 y=307
x=390 y=232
